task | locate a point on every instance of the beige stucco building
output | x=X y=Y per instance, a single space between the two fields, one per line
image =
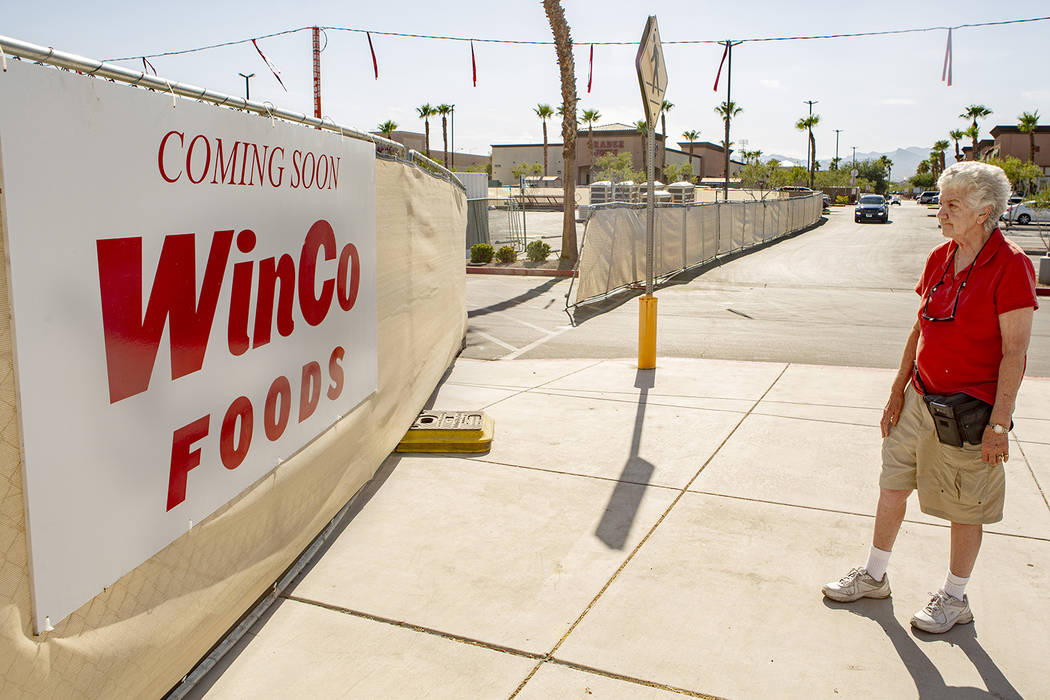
x=416 y=142
x=706 y=158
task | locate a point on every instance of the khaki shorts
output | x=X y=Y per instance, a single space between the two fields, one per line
x=953 y=482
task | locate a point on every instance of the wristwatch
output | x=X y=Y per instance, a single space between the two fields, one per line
x=998 y=429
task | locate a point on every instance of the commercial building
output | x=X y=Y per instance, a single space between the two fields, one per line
x=1008 y=140
x=706 y=158
x=416 y=142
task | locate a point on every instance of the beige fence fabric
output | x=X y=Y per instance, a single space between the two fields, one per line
x=613 y=253
x=145 y=632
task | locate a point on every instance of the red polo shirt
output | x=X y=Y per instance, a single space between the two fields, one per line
x=964 y=354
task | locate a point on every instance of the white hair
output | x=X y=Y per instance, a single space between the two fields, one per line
x=982 y=185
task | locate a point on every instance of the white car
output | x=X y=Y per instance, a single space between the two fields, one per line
x=1026 y=213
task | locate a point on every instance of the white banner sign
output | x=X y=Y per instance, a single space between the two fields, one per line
x=194 y=300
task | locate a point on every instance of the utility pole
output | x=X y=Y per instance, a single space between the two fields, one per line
x=809 y=141
x=452 y=156
x=837 y=147
x=317 y=71
x=854 y=157
x=728 y=115
x=247 y=87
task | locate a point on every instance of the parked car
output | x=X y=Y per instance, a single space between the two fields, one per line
x=795 y=190
x=927 y=197
x=895 y=200
x=1014 y=199
x=827 y=201
x=1026 y=213
x=871 y=207
x=936 y=199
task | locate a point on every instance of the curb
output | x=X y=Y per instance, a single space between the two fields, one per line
x=521 y=271
x=1042 y=291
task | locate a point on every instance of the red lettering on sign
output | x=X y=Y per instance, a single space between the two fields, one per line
x=132 y=340
x=310 y=390
x=273 y=422
x=160 y=154
x=233 y=446
x=241 y=297
x=270 y=273
x=316 y=308
x=348 y=276
x=336 y=371
x=183 y=459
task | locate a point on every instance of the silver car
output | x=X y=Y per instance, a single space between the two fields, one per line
x=1026 y=213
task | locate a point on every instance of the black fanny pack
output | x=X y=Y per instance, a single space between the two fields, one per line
x=958 y=417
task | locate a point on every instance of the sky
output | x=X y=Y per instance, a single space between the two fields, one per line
x=882 y=92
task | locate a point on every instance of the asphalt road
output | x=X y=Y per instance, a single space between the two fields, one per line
x=838 y=294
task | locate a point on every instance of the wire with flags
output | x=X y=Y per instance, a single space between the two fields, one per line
x=945 y=76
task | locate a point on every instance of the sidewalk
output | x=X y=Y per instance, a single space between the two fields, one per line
x=654 y=535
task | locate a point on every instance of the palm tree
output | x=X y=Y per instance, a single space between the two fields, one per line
x=544 y=112
x=691 y=135
x=887 y=164
x=922 y=168
x=388 y=127
x=444 y=111
x=590 y=116
x=1027 y=123
x=957 y=135
x=664 y=109
x=567 y=67
x=939 y=148
x=643 y=128
x=971 y=132
x=727 y=110
x=425 y=112
x=974 y=112
x=806 y=124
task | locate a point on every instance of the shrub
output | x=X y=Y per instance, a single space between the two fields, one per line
x=506 y=254
x=841 y=199
x=537 y=251
x=481 y=253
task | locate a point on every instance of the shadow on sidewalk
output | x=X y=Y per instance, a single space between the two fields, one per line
x=927 y=678
x=626 y=498
x=537 y=291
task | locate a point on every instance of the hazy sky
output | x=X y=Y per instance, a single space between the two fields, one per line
x=883 y=92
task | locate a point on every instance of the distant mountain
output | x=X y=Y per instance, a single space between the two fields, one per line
x=905 y=160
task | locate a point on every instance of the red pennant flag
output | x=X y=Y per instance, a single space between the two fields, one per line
x=719 y=74
x=590 y=71
x=947 y=70
x=272 y=67
x=473 y=63
x=147 y=66
x=375 y=65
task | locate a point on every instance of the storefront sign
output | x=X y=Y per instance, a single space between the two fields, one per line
x=194 y=300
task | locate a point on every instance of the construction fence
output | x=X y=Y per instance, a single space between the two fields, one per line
x=612 y=253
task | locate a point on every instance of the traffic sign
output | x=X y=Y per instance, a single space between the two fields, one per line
x=652 y=72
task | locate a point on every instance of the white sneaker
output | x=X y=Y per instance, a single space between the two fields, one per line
x=942 y=613
x=857 y=584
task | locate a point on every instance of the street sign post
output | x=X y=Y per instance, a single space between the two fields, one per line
x=652 y=78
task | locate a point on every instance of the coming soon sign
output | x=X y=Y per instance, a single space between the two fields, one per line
x=194 y=300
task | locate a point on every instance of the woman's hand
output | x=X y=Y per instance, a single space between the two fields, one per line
x=995 y=447
x=892 y=413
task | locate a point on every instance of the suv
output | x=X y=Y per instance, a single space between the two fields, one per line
x=871 y=207
x=927 y=197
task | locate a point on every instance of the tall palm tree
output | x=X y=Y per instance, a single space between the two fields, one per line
x=939 y=148
x=957 y=135
x=691 y=135
x=544 y=112
x=887 y=164
x=590 y=116
x=665 y=108
x=922 y=168
x=388 y=127
x=425 y=112
x=1027 y=123
x=806 y=124
x=567 y=68
x=975 y=112
x=444 y=111
x=642 y=127
x=971 y=132
x=727 y=110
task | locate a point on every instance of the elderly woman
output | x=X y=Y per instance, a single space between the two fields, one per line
x=945 y=426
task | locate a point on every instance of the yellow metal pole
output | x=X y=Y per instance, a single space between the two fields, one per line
x=647 y=332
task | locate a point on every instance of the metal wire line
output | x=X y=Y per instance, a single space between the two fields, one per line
x=584 y=43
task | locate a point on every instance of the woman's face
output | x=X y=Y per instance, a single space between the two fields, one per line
x=956 y=217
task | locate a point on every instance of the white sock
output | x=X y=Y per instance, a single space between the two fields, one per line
x=877 y=561
x=955 y=586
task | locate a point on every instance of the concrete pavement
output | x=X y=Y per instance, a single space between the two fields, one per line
x=654 y=535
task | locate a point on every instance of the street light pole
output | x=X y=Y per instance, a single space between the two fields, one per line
x=837 y=147
x=247 y=87
x=854 y=157
x=452 y=156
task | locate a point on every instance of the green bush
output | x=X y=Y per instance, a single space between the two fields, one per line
x=841 y=199
x=537 y=251
x=481 y=253
x=506 y=254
